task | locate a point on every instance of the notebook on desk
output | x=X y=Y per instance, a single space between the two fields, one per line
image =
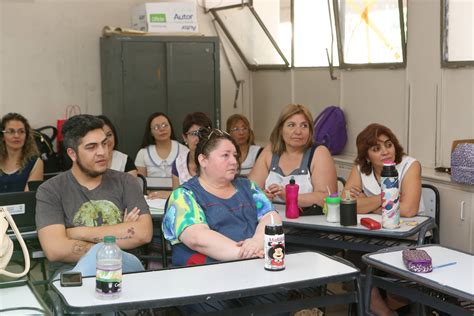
x=22 y=207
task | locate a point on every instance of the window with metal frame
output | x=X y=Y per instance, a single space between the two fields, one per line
x=278 y=34
x=276 y=16
x=250 y=37
x=315 y=43
x=457 y=33
x=371 y=33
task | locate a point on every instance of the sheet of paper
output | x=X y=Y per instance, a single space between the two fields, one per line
x=157 y=206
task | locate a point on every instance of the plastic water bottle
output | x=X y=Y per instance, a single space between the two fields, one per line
x=291 y=190
x=390 y=196
x=109 y=270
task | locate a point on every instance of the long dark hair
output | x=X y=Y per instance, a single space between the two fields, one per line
x=148 y=136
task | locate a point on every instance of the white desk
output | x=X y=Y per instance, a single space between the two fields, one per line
x=155 y=183
x=455 y=280
x=19 y=298
x=334 y=235
x=195 y=284
x=157 y=207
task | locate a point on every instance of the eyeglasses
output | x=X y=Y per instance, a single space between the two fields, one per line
x=160 y=126
x=238 y=129
x=195 y=133
x=12 y=131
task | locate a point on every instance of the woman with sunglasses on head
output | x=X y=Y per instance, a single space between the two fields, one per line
x=117 y=160
x=216 y=216
x=291 y=154
x=238 y=126
x=19 y=156
x=184 y=167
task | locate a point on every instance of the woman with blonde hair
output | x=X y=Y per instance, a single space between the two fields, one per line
x=19 y=156
x=238 y=126
x=291 y=154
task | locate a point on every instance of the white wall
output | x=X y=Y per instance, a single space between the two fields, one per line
x=427 y=107
x=50 y=56
x=273 y=90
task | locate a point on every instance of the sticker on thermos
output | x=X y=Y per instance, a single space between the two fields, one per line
x=274 y=248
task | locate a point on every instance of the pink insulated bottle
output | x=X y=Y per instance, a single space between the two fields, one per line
x=291 y=189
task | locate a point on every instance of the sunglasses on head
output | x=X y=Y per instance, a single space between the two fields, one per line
x=215 y=132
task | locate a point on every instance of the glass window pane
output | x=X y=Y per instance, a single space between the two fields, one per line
x=250 y=40
x=371 y=31
x=458 y=39
x=276 y=15
x=313 y=27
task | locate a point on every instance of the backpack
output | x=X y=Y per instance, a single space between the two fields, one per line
x=330 y=129
x=45 y=147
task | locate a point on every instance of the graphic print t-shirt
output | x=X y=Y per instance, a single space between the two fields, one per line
x=62 y=200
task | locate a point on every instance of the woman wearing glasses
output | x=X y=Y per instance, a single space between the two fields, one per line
x=159 y=147
x=184 y=166
x=19 y=156
x=216 y=216
x=291 y=154
x=118 y=160
x=238 y=126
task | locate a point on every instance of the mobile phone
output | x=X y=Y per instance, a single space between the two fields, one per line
x=370 y=223
x=71 y=278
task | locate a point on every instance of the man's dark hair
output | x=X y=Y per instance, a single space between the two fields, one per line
x=77 y=127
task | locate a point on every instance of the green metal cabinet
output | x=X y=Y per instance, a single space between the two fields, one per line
x=146 y=74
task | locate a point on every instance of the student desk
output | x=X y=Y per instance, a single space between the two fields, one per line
x=18 y=297
x=320 y=233
x=158 y=183
x=214 y=282
x=453 y=281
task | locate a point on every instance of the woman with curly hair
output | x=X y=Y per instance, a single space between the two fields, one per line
x=19 y=156
x=375 y=144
